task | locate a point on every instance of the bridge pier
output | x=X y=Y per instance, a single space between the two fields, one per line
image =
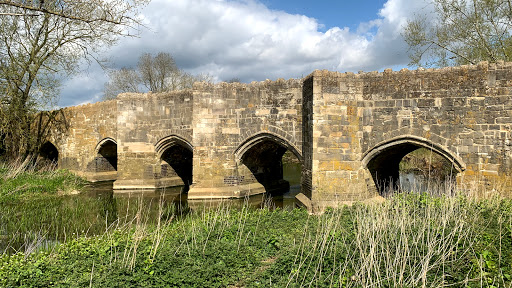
x=332 y=121
x=240 y=133
x=349 y=131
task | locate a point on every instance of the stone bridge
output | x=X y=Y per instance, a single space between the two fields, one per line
x=349 y=131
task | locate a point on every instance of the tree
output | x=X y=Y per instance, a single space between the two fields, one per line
x=234 y=80
x=40 y=43
x=157 y=73
x=97 y=10
x=461 y=32
x=122 y=81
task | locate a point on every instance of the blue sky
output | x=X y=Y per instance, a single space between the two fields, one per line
x=341 y=13
x=254 y=40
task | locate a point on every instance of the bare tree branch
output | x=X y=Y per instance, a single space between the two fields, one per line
x=106 y=16
x=157 y=73
x=463 y=31
x=36 y=52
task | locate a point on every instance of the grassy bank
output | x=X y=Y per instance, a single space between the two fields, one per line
x=410 y=241
x=36 y=205
x=25 y=179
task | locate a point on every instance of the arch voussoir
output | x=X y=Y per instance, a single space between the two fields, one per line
x=164 y=143
x=457 y=162
x=257 y=138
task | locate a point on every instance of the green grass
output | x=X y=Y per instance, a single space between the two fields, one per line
x=410 y=240
x=15 y=185
x=35 y=207
x=413 y=240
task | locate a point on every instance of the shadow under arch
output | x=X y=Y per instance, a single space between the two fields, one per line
x=383 y=159
x=104 y=141
x=49 y=152
x=106 y=155
x=262 y=155
x=176 y=158
x=265 y=136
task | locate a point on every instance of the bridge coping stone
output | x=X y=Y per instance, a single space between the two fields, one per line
x=465 y=110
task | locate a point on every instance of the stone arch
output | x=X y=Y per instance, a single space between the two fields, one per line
x=257 y=138
x=383 y=159
x=259 y=157
x=104 y=141
x=49 y=152
x=175 y=154
x=106 y=155
x=171 y=140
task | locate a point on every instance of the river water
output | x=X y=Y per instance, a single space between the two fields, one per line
x=410 y=182
x=174 y=195
x=43 y=223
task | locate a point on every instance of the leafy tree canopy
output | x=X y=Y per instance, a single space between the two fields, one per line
x=461 y=32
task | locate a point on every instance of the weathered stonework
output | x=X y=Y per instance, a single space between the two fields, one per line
x=233 y=120
x=349 y=130
x=86 y=128
x=363 y=124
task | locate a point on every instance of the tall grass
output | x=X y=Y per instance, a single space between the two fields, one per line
x=409 y=240
x=33 y=177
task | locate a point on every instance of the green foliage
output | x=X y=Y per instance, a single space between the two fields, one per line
x=460 y=32
x=29 y=183
x=36 y=51
x=410 y=240
x=427 y=163
x=205 y=249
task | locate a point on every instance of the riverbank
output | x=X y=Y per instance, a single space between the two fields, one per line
x=25 y=179
x=410 y=240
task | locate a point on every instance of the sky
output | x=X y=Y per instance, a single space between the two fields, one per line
x=255 y=40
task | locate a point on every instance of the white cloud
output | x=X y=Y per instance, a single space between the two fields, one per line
x=245 y=39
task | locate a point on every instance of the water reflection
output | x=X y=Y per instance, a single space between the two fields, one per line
x=174 y=196
x=177 y=196
x=41 y=222
x=413 y=182
x=419 y=183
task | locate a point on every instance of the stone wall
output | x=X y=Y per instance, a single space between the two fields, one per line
x=149 y=124
x=366 y=122
x=230 y=119
x=85 y=126
x=349 y=130
x=335 y=157
x=307 y=137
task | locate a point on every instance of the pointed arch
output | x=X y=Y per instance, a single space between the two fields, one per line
x=49 y=151
x=176 y=159
x=413 y=142
x=102 y=142
x=258 y=138
x=383 y=160
x=106 y=155
x=260 y=159
x=169 y=141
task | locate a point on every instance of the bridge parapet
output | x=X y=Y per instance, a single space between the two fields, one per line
x=461 y=111
x=350 y=130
